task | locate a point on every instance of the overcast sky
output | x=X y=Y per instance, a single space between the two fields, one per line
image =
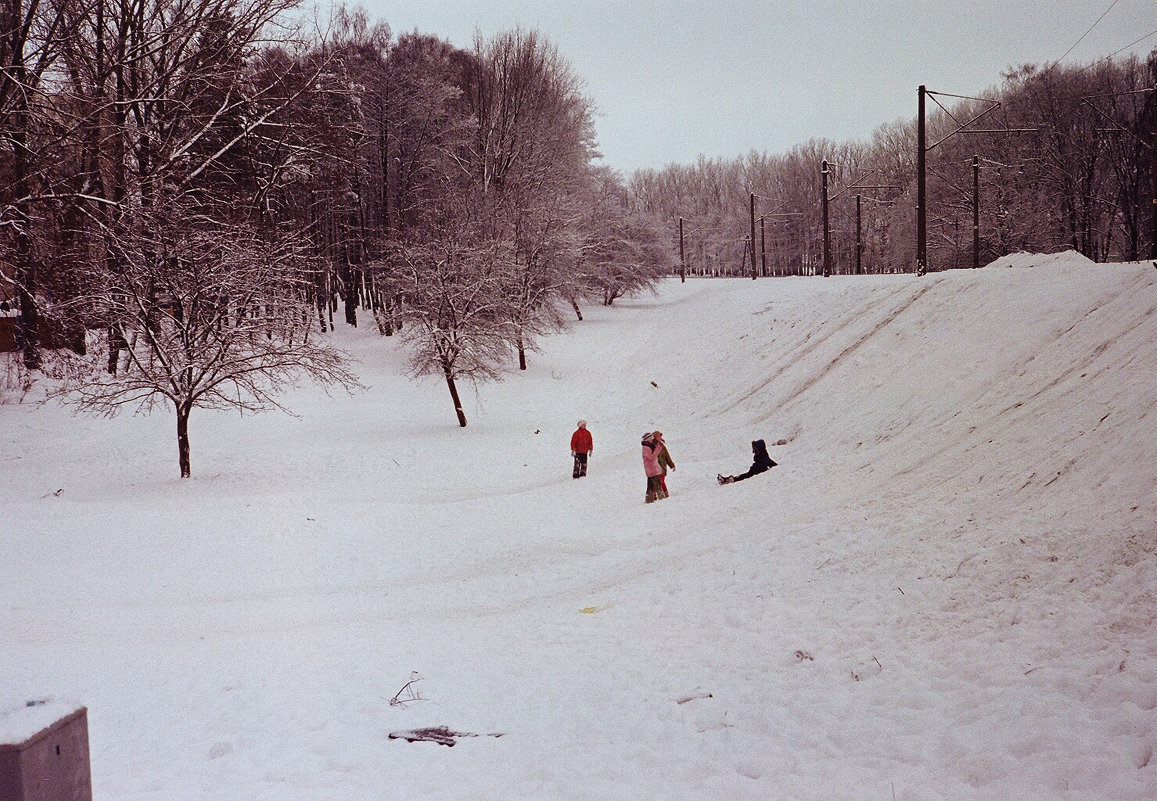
x=673 y=80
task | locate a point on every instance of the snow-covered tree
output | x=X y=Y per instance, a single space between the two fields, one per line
x=206 y=315
x=457 y=310
x=530 y=160
x=624 y=250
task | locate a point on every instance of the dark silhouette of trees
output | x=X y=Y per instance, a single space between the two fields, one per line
x=31 y=33
x=196 y=188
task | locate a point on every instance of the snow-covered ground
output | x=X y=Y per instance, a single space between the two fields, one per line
x=946 y=590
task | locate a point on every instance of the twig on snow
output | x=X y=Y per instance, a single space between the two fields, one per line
x=408 y=692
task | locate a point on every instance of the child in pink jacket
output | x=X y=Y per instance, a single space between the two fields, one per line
x=654 y=470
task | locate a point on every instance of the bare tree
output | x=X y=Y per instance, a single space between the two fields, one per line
x=457 y=310
x=212 y=316
x=531 y=161
x=30 y=39
x=625 y=251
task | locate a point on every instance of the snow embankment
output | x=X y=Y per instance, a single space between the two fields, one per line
x=946 y=590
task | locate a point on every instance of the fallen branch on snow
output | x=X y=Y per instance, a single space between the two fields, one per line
x=441 y=735
x=408 y=692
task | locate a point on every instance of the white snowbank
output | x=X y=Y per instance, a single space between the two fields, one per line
x=1068 y=258
x=946 y=590
x=20 y=723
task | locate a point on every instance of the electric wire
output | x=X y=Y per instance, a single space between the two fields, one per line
x=1086 y=33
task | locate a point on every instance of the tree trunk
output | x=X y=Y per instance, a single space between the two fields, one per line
x=29 y=325
x=521 y=354
x=319 y=288
x=115 y=342
x=388 y=315
x=183 y=439
x=454 y=396
x=28 y=328
x=350 y=297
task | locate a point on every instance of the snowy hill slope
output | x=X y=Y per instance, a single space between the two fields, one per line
x=947 y=589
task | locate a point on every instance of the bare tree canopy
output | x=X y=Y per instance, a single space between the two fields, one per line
x=204 y=316
x=1064 y=156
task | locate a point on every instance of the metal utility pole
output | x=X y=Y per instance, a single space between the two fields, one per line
x=762 y=248
x=859 y=240
x=922 y=149
x=975 y=212
x=682 y=258
x=921 y=190
x=859 y=215
x=827 y=229
x=753 y=275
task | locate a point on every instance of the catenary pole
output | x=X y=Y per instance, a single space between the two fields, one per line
x=827 y=228
x=975 y=211
x=859 y=240
x=753 y=275
x=762 y=248
x=1153 y=178
x=682 y=257
x=921 y=190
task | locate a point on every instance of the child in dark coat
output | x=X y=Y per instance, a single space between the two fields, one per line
x=761 y=463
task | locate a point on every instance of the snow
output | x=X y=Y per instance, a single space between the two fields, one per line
x=21 y=724
x=946 y=590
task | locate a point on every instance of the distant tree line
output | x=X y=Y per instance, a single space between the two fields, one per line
x=1065 y=159
x=191 y=190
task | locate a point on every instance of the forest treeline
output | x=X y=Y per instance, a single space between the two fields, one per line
x=205 y=184
x=1065 y=159
x=191 y=191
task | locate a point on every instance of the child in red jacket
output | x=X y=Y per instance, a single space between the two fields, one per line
x=582 y=445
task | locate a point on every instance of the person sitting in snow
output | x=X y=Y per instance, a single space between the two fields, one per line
x=761 y=463
x=582 y=445
x=651 y=466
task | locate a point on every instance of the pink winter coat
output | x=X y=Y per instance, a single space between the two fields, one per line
x=651 y=460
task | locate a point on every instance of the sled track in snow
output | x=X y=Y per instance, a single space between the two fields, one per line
x=1071 y=369
x=810 y=345
x=839 y=358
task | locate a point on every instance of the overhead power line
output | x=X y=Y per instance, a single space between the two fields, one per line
x=1149 y=35
x=1086 y=33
